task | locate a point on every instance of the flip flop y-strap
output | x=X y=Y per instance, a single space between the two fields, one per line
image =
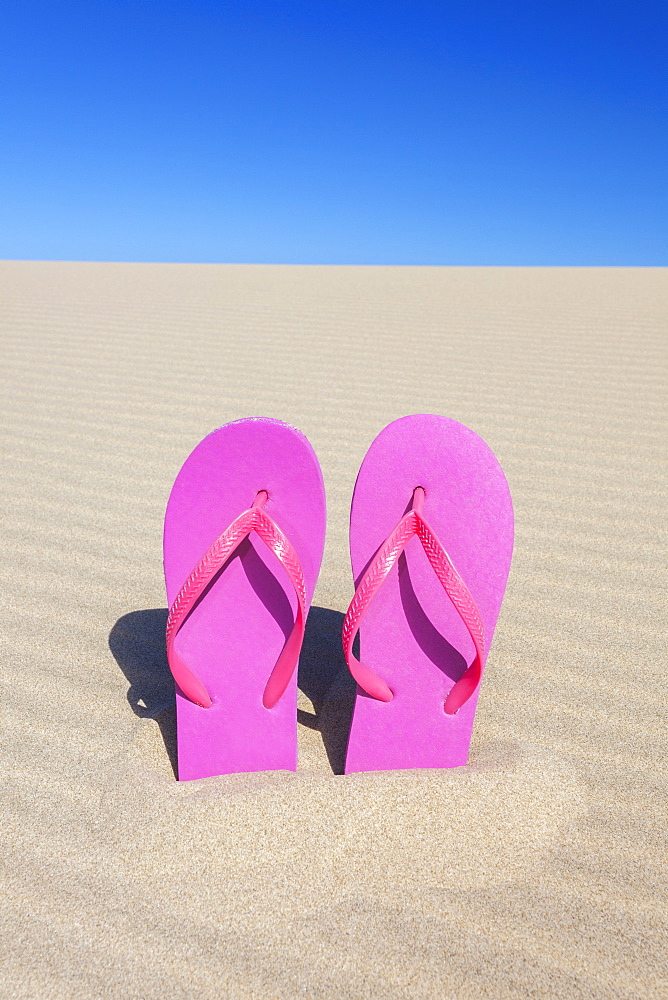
x=413 y=523
x=253 y=519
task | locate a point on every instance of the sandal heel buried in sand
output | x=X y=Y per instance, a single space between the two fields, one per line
x=431 y=540
x=243 y=542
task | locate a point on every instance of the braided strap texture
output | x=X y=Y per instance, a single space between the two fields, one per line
x=254 y=519
x=414 y=524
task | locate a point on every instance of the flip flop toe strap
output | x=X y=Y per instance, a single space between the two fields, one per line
x=254 y=519
x=413 y=523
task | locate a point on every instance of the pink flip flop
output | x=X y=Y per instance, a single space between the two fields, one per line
x=431 y=540
x=243 y=542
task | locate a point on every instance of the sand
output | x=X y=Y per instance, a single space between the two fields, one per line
x=537 y=871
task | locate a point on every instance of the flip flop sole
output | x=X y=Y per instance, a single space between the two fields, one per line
x=411 y=636
x=236 y=631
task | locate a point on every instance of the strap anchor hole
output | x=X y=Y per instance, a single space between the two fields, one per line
x=418 y=499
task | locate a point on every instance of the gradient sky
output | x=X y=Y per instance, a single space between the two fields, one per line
x=335 y=132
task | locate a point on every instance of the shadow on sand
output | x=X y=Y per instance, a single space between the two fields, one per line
x=137 y=642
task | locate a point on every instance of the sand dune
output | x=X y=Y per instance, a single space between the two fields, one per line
x=538 y=870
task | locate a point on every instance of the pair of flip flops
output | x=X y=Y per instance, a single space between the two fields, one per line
x=431 y=538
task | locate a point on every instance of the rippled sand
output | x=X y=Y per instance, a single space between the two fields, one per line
x=537 y=871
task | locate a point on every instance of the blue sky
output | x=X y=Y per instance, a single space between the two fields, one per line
x=531 y=133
